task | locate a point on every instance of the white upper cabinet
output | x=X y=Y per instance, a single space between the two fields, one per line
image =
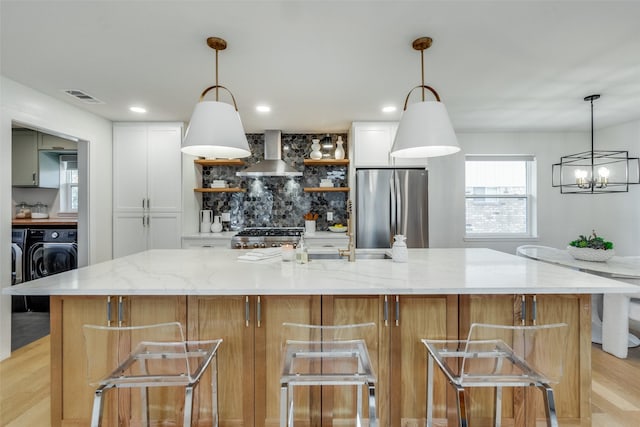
x=372 y=142
x=147 y=166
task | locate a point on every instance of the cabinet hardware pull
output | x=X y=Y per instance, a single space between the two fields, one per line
x=148 y=203
x=523 y=310
x=120 y=311
x=108 y=311
x=397 y=310
x=33 y=177
x=143 y=203
x=246 y=311
x=534 y=311
x=259 y=313
x=386 y=311
x=148 y=221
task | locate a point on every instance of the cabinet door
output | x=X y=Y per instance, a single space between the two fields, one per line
x=229 y=318
x=415 y=318
x=272 y=312
x=72 y=396
x=573 y=392
x=163 y=230
x=129 y=167
x=339 y=403
x=24 y=158
x=50 y=142
x=164 y=173
x=372 y=143
x=165 y=404
x=500 y=310
x=129 y=233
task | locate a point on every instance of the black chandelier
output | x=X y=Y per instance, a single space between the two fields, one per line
x=595 y=171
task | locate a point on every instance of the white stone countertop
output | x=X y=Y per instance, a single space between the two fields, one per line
x=623 y=267
x=217 y=271
x=230 y=234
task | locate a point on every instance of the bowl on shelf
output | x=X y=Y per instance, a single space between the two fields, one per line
x=338 y=229
x=590 y=254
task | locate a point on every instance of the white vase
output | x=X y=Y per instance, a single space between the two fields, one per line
x=339 y=153
x=315 y=150
x=216 y=227
x=399 y=251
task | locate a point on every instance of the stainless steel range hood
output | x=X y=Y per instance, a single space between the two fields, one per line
x=272 y=165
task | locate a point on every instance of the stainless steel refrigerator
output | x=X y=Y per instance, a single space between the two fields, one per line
x=391 y=201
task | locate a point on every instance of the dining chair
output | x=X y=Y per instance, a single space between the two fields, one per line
x=146 y=357
x=499 y=356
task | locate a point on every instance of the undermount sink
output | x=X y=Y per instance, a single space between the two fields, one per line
x=359 y=255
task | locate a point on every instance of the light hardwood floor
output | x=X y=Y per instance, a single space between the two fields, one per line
x=25 y=380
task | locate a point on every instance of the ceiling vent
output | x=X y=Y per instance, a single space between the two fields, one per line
x=82 y=96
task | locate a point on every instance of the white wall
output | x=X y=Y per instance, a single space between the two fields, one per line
x=22 y=104
x=561 y=217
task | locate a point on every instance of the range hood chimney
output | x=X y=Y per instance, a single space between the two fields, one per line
x=272 y=165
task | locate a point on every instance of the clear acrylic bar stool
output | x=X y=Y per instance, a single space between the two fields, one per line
x=499 y=356
x=326 y=356
x=148 y=356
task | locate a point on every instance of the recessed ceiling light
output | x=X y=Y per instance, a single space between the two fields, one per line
x=389 y=109
x=263 y=108
x=138 y=109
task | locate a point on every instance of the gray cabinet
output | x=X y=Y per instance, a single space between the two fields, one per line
x=30 y=165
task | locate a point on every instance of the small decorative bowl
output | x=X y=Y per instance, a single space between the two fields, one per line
x=338 y=229
x=590 y=254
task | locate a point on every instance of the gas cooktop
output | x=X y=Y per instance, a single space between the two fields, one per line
x=266 y=237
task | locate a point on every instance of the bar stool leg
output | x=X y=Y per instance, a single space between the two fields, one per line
x=283 y=405
x=373 y=419
x=98 y=403
x=188 y=405
x=290 y=403
x=550 y=405
x=429 y=421
x=498 y=421
x=214 y=391
x=359 y=405
x=462 y=407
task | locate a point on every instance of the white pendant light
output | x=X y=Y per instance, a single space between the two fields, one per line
x=215 y=129
x=425 y=129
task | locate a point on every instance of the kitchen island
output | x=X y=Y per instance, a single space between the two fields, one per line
x=437 y=294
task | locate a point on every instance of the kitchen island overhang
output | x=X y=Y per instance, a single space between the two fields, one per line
x=217 y=271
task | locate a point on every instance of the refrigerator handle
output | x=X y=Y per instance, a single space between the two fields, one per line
x=392 y=205
x=399 y=207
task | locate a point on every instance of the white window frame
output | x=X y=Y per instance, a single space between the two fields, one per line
x=530 y=196
x=66 y=190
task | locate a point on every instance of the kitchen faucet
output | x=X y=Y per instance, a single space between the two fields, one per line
x=350 y=252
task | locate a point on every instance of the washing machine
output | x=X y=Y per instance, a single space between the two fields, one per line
x=48 y=252
x=18 y=239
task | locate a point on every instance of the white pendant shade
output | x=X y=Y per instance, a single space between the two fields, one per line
x=215 y=131
x=425 y=131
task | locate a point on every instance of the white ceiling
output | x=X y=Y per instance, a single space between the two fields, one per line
x=505 y=65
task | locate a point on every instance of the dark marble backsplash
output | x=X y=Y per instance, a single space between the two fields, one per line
x=280 y=201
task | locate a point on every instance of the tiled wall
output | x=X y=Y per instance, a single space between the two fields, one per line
x=280 y=201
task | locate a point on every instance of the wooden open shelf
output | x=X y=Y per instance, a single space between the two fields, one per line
x=326 y=189
x=219 y=162
x=220 y=190
x=326 y=162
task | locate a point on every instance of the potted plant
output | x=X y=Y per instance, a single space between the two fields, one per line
x=591 y=248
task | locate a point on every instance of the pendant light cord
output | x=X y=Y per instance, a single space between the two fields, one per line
x=217 y=86
x=422 y=68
